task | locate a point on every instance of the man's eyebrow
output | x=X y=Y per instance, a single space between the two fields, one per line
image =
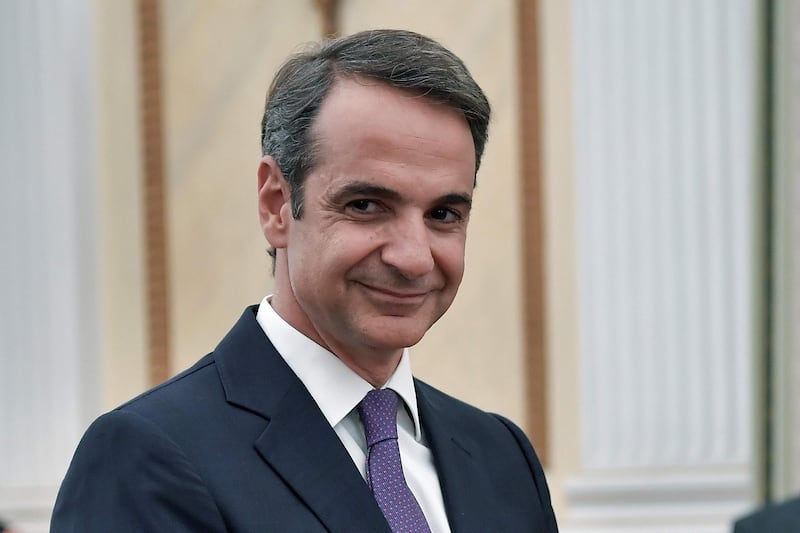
x=455 y=199
x=360 y=188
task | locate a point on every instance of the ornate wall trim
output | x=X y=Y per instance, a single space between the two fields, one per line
x=532 y=209
x=155 y=202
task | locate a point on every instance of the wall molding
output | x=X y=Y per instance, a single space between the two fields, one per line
x=532 y=243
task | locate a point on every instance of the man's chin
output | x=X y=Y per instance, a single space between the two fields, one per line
x=387 y=338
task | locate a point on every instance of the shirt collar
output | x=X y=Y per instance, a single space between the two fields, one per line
x=336 y=389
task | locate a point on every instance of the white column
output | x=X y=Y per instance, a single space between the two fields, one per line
x=786 y=274
x=48 y=328
x=667 y=176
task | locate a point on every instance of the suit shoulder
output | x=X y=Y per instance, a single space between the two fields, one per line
x=779 y=517
x=501 y=446
x=437 y=398
x=463 y=413
x=181 y=407
x=174 y=388
x=123 y=465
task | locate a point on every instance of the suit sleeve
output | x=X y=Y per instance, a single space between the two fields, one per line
x=536 y=471
x=779 y=517
x=740 y=526
x=128 y=476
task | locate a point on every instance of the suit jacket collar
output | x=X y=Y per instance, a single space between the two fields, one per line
x=302 y=448
x=297 y=442
x=459 y=466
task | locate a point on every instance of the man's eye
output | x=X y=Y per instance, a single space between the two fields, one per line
x=443 y=214
x=363 y=206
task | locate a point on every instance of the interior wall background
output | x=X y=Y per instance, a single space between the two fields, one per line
x=74 y=213
x=83 y=284
x=218 y=62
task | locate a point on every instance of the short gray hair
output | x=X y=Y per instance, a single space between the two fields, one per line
x=401 y=59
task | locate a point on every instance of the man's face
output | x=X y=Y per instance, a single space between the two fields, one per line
x=378 y=254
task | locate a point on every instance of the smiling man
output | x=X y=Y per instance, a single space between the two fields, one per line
x=306 y=417
x=377 y=255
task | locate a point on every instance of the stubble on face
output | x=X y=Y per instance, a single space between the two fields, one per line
x=377 y=256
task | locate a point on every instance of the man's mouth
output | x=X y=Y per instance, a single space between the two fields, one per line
x=403 y=296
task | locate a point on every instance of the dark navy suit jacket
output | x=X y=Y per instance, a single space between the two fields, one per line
x=779 y=518
x=236 y=443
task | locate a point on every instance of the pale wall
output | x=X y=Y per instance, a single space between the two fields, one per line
x=119 y=167
x=219 y=59
x=560 y=251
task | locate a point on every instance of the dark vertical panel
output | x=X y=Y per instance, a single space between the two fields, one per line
x=533 y=224
x=768 y=232
x=157 y=279
x=329 y=13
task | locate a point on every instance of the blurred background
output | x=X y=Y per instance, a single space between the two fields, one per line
x=631 y=295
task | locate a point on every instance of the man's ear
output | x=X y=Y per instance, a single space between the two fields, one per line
x=274 y=203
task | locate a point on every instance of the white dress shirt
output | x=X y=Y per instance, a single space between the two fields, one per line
x=338 y=390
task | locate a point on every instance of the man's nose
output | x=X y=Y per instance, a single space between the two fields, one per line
x=408 y=249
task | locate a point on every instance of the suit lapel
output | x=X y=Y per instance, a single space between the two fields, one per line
x=303 y=449
x=298 y=443
x=465 y=486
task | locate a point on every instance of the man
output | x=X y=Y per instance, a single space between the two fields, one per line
x=306 y=417
x=778 y=518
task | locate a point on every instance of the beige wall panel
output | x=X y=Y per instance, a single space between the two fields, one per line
x=218 y=60
x=122 y=289
x=476 y=351
x=559 y=188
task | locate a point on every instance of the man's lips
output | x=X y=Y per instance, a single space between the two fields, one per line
x=407 y=296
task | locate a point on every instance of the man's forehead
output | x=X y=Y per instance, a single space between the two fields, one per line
x=353 y=91
x=355 y=104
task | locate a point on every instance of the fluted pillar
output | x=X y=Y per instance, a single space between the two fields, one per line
x=669 y=190
x=48 y=327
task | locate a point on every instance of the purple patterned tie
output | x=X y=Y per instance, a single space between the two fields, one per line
x=378 y=411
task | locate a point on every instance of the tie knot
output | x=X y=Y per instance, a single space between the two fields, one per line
x=378 y=411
